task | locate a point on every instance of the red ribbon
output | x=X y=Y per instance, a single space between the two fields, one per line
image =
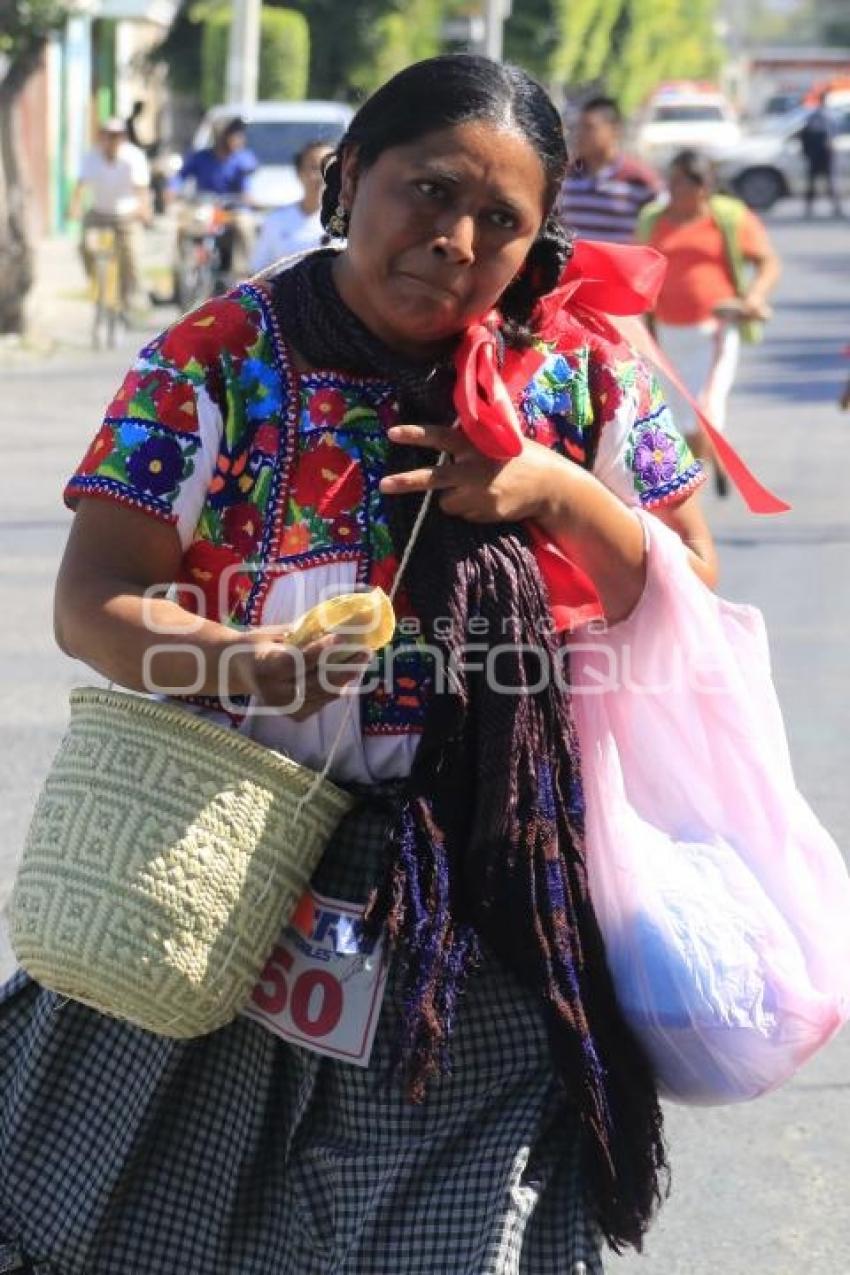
x=604 y=288
x=489 y=419
x=482 y=401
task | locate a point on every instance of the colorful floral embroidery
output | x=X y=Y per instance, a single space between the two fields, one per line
x=342 y=448
x=661 y=463
x=225 y=325
x=157 y=396
x=294 y=483
x=556 y=405
x=655 y=457
x=404 y=681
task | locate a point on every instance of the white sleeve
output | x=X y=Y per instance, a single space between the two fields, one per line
x=641 y=456
x=264 y=249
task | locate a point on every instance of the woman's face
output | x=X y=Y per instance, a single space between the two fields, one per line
x=310 y=170
x=438 y=229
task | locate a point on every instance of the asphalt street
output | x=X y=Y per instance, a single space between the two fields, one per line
x=756 y=1189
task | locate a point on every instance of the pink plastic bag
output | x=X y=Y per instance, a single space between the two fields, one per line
x=723 y=902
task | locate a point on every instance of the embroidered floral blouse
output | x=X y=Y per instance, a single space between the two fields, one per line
x=271 y=481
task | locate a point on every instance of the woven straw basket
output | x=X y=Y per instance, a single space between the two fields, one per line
x=163 y=858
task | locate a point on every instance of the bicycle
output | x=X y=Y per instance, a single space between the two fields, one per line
x=109 y=315
x=204 y=253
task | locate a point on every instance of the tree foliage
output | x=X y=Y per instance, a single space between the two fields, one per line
x=284 y=55
x=405 y=33
x=627 y=46
x=25 y=26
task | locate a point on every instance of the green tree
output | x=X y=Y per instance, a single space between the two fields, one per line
x=536 y=36
x=627 y=45
x=284 y=54
x=404 y=34
x=354 y=46
x=25 y=26
x=661 y=40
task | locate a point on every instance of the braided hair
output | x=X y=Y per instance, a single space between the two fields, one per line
x=444 y=92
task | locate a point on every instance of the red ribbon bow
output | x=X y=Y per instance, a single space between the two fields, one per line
x=604 y=289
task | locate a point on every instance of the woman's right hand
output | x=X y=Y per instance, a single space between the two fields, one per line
x=300 y=681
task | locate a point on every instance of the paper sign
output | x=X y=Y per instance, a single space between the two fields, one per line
x=323 y=985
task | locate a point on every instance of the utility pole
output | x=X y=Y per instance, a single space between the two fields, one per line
x=495 y=14
x=243 y=52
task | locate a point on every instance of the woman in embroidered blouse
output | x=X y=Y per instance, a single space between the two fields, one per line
x=272 y=445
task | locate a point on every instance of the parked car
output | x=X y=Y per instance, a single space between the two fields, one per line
x=276 y=133
x=768 y=165
x=684 y=115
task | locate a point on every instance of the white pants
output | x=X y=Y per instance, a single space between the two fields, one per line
x=706 y=357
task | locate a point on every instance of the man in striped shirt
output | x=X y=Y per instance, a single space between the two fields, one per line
x=604 y=190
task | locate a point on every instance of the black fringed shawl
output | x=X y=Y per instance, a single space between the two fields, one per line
x=489 y=843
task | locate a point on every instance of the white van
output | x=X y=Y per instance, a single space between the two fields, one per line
x=683 y=116
x=277 y=131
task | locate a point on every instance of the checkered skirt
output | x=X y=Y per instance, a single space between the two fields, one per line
x=123 y=1152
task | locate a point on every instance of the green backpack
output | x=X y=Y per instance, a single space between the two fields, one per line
x=727 y=213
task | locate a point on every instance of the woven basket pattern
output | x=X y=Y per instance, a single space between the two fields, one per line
x=161 y=862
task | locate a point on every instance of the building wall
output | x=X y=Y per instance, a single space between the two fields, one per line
x=33 y=149
x=92 y=69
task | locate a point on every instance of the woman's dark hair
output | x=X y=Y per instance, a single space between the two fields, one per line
x=443 y=92
x=696 y=167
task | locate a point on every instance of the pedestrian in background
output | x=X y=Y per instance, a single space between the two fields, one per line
x=295 y=227
x=604 y=190
x=817 y=138
x=115 y=183
x=721 y=269
x=132 y=124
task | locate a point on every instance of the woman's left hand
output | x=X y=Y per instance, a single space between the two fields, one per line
x=474 y=487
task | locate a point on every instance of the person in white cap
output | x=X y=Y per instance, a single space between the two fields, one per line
x=114 y=182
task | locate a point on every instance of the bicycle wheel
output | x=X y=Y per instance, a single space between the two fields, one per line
x=193 y=278
x=99 y=320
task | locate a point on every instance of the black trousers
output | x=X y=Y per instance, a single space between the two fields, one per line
x=818 y=174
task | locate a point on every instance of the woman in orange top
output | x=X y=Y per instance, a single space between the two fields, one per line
x=721 y=269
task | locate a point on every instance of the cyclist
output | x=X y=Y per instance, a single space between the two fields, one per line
x=115 y=183
x=223 y=171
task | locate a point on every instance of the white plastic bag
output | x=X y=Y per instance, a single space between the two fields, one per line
x=724 y=904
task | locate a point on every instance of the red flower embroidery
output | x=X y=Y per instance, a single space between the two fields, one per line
x=607 y=390
x=216 y=326
x=266 y=440
x=175 y=405
x=295 y=539
x=545 y=432
x=243 y=527
x=327 y=407
x=100 y=448
x=120 y=405
x=345 y=530
x=328 y=480
x=382 y=576
x=214 y=571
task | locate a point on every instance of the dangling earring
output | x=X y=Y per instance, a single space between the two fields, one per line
x=338 y=222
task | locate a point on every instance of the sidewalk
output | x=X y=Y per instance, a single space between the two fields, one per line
x=59 y=308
